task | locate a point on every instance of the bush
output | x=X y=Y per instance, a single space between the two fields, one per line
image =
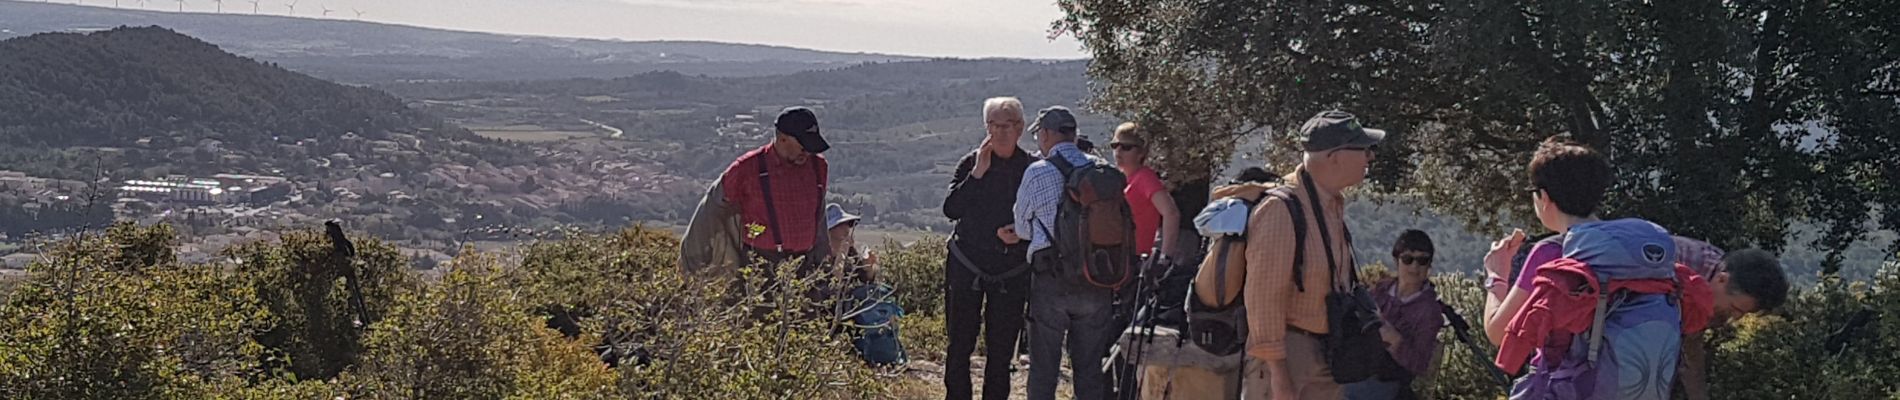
x=470 y=337
x=916 y=271
x=275 y=324
x=83 y=325
x=1460 y=375
x=1756 y=358
x=308 y=327
x=679 y=336
x=114 y=315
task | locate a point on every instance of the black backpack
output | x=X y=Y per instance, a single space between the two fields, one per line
x=1094 y=233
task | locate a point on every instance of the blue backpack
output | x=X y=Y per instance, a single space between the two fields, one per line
x=870 y=310
x=1630 y=350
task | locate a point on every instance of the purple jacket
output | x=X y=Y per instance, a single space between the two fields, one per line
x=1418 y=320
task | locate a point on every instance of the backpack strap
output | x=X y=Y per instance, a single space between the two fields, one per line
x=1063 y=168
x=982 y=277
x=1062 y=165
x=1596 y=327
x=771 y=210
x=1325 y=237
x=1298 y=214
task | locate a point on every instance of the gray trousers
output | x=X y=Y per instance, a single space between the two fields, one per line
x=1072 y=316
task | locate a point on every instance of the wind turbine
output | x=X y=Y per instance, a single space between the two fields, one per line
x=220 y=4
x=359 y=14
x=327 y=11
x=254 y=6
x=293 y=8
x=181 y=5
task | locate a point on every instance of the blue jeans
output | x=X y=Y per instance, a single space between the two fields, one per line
x=1062 y=314
x=1373 y=389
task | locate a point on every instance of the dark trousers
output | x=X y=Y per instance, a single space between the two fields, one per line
x=994 y=308
x=1073 y=316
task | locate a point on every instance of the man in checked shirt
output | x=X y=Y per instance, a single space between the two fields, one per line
x=1285 y=321
x=1061 y=312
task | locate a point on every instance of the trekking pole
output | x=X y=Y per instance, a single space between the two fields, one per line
x=1137 y=344
x=1462 y=330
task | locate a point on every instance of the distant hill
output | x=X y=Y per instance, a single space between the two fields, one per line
x=112 y=88
x=159 y=97
x=366 y=52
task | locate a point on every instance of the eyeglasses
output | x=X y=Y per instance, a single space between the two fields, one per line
x=1370 y=151
x=1123 y=147
x=1423 y=261
x=1534 y=191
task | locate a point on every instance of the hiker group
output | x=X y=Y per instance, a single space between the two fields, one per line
x=1258 y=295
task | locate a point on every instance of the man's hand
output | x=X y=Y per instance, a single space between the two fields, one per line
x=870 y=257
x=1391 y=337
x=1008 y=234
x=1497 y=262
x=982 y=159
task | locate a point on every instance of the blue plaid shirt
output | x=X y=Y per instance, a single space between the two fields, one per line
x=1041 y=194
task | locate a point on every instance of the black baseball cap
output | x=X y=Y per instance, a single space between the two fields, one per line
x=802 y=124
x=1338 y=130
x=1056 y=118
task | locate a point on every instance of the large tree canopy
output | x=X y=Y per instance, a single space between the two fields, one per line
x=1726 y=120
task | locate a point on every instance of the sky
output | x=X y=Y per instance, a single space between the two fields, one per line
x=936 y=28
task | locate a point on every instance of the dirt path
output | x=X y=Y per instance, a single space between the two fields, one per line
x=924 y=380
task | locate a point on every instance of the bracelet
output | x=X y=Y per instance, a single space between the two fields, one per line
x=1493 y=282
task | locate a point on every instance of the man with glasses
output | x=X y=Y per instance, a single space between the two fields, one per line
x=986 y=281
x=1286 y=306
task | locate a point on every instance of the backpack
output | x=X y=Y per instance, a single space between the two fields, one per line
x=1214 y=321
x=870 y=309
x=1634 y=334
x=1094 y=231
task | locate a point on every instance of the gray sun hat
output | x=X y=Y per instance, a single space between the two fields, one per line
x=835 y=215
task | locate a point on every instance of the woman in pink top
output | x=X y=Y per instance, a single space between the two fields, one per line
x=1148 y=198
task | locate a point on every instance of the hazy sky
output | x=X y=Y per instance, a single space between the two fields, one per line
x=955 y=28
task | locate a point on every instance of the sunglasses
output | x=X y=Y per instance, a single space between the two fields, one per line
x=1416 y=260
x=1123 y=147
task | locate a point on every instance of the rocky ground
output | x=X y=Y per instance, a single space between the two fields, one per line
x=924 y=380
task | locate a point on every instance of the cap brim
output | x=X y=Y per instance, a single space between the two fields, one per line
x=1372 y=138
x=813 y=143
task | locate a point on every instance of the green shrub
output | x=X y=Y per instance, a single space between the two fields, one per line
x=925 y=338
x=700 y=336
x=1460 y=375
x=917 y=273
x=1785 y=355
x=113 y=314
x=83 y=324
x=309 y=328
x=470 y=337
